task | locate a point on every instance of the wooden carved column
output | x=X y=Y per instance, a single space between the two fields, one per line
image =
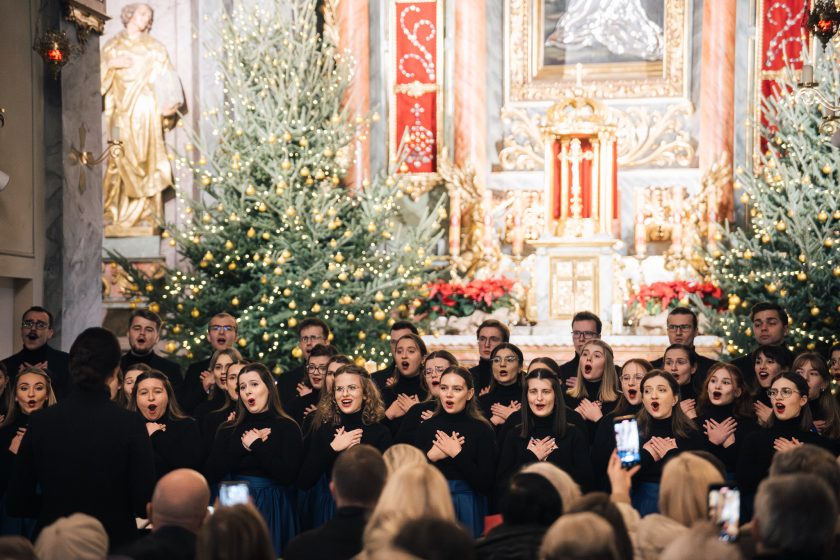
x=354 y=35
x=717 y=94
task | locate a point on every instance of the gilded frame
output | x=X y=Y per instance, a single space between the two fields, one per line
x=527 y=81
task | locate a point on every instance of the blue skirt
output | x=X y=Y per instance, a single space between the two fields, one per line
x=470 y=507
x=276 y=504
x=316 y=505
x=645 y=497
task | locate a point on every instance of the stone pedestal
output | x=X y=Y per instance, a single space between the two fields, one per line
x=575 y=275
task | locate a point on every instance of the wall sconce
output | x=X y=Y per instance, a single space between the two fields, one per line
x=86 y=158
x=54 y=48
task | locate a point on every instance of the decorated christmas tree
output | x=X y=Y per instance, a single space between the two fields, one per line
x=275 y=235
x=788 y=250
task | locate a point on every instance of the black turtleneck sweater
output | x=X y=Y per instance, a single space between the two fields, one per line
x=320 y=456
x=216 y=401
x=593 y=389
x=482 y=374
x=651 y=470
x=382 y=376
x=476 y=463
x=192 y=392
x=177 y=447
x=57 y=366
x=757 y=450
x=412 y=420
x=502 y=394
x=210 y=426
x=570 y=368
x=278 y=458
x=746 y=426
x=603 y=444
x=297 y=408
x=571 y=455
x=410 y=386
x=168 y=367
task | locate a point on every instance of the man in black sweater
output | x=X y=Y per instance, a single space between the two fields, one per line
x=358 y=477
x=177 y=511
x=770 y=326
x=143 y=335
x=311 y=332
x=221 y=334
x=398 y=330
x=490 y=333
x=682 y=328
x=35 y=331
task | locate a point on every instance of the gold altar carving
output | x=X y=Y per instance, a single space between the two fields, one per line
x=88 y=15
x=574 y=286
x=646 y=138
x=529 y=79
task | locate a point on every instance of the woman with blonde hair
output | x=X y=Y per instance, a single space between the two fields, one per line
x=596 y=392
x=217 y=396
x=403 y=455
x=411 y=492
x=579 y=536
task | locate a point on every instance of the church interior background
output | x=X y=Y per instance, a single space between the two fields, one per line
x=582 y=155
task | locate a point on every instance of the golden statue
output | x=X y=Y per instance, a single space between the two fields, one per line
x=142 y=98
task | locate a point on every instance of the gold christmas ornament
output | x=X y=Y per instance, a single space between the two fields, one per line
x=297 y=352
x=316 y=308
x=293 y=322
x=379 y=296
x=278 y=271
x=304 y=172
x=262 y=207
x=836 y=272
x=765 y=238
x=836 y=215
x=339 y=258
x=251 y=233
x=801 y=276
x=228 y=245
x=828 y=243
x=342 y=276
x=287 y=137
x=292 y=305
x=371 y=227
x=826 y=169
x=266 y=337
x=154 y=307
x=781 y=226
x=379 y=315
x=748 y=254
x=235 y=301
x=250 y=190
x=307 y=282
x=802 y=257
x=195 y=313
x=290 y=211
x=351 y=317
x=362 y=335
x=285 y=165
x=287 y=292
x=232 y=266
x=171 y=347
x=822 y=216
x=771 y=287
x=176 y=329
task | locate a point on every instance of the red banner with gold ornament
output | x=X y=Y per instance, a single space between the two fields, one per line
x=416 y=65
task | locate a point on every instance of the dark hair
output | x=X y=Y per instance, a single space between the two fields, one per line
x=588 y=316
x=558 y=420
x=681 y=424
x=681 y=310
x=825 y=401
x=173 y=411
x=472 y=404
x=622 y=407
x=805 y=417
x=94 y=356
x=530 y=499
x=516 y=350
x=145 y=314
x=809 y=459
x=402 y=325
x=494 y=324
x=314 y=322
x=274 y=404
x=692 y=356
x=769 y=306
x=743 y=404
x=600 y=504
x=433 y=538
x=234 y=532
x=359 y=475
x=323 y=350
x=550 y=363
x=39 y=309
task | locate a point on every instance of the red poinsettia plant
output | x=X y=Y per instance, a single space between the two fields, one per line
x=455 y=299
x=652 y=299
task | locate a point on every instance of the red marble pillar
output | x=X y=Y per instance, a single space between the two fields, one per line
x=717 y=93
x=354 y=35
x=471 y=87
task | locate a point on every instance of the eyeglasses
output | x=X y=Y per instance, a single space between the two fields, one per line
x=320 y=369
x=586 y=335
x=674 y=328
x=221 y=328
x=308 y=339
x=347 y=389
x=29 y=323
x=506 y=359
x=832 y=363
x=628 y=378
x=785 y=392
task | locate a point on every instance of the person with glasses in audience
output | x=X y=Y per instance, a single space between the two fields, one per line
x=311 y=332
x=221 y=334
x=36 y=329
x=586 y=326
x=309 y=390
x=490 y=334
x=434 y=364
x=682 y=329
x=388 y=376
x=789 y=427
x=143 y=334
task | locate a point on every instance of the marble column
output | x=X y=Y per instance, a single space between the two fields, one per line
x=354 y=35
x=471 y=87
x=717 y=93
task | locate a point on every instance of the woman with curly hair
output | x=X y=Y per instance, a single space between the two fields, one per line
x=352 y=414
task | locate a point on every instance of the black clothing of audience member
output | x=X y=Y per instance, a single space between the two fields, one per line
x=167 y=543
x=168 y=367
x=482 y=372
x=571 y=455
x=57 y=367
x=603 y=444
x=746 y=426
x=278 y=457
x=86 y=454
x=407 y=431
x=339 y=538
x=176 y=447
x=475 y=464
x=192 y=392
x=651 y=470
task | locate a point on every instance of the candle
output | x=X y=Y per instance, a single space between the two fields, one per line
x=115 y=133
x=807 y=74
x=518 y=237
x=488 y=222
x=455 y=224
x=676 y=235
x=639 y=230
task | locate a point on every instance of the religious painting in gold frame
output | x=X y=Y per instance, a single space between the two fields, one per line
x=538 y=68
